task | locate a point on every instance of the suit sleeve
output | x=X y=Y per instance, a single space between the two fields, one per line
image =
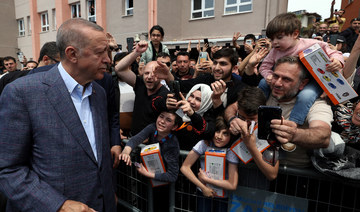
x=19 y=183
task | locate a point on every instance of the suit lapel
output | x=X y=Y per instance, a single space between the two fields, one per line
x=94 y=100
x=60 y=99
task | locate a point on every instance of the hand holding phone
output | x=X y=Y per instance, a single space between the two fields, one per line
x=130 y=44
x=265 y=115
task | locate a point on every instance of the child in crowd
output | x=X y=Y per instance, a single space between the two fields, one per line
x=221 y=139
x=159 y=132
x=284 y=31
x=248 y=103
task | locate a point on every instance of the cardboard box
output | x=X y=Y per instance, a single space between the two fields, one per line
x=215 y=163
x=333 y=83
x=239 y=148
x=153 y=161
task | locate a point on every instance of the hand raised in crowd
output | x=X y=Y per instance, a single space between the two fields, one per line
x=185 y=106
x=189 y=47
x=198 y=47
x=284 y=130
x=215 y=49
x=248 y=48
x=218 y=88
x=141 y=46
x=258 y=56
x=249 y=139
x=71 y=206
x=335 y=65
x=141 y=68
x=161 y=70
x=236 y=36
x=263 y=43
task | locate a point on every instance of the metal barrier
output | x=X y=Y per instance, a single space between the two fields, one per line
x=323 y=193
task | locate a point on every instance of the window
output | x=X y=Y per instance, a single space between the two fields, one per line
x=54 y=19
x=202 y=8
x=21 y=27
x=91 y=11
x=29 y=25
x=237 y=6
x=44 y=22
x=75 y=11
x=129 y=7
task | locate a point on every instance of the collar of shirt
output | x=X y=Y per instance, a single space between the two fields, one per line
x=71 y=85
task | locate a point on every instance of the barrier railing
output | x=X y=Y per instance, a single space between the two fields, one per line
x=323 y=193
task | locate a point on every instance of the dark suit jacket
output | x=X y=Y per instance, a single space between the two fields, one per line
x=45 y=155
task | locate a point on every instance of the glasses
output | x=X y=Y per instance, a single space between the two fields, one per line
x=53 y=59
x=167 y=64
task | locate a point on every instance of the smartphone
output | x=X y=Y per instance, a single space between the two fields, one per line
x=265 y=115
x=177 y=48
x=248 y=41
x=206 y=41
x=175 y=89
x=203 y=57
x=20 y=56
x=227 y=45
x=263 y=33
x=130 y=43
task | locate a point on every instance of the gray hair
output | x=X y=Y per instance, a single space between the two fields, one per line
x=70 y=34
x=304 y=74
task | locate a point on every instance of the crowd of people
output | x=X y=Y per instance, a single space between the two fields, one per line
x=62 y=124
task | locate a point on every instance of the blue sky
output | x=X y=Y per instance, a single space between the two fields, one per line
x=321 y=7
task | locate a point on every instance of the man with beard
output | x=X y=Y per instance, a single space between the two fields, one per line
x=150 y=94
x=296 y=142
x=221 y=80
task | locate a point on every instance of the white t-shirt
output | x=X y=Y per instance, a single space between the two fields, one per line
x=127 y=97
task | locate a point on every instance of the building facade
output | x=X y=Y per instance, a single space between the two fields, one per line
x=38 y=20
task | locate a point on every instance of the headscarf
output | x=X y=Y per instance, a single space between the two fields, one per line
x=206 y=101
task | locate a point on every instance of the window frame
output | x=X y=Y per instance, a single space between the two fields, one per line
x=89 y=16
x=77 y=8
x=237 y=5
x=21 y=27
x=44 y=27
x=129 y=11
x=202 y=10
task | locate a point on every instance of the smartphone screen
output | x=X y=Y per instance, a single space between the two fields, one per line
x=130 y=43
x=202 y=57
x=265 y=115
x=249 y=42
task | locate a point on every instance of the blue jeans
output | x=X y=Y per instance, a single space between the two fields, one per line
x=304 y=100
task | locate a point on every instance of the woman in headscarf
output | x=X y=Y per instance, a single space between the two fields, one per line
x=197 y=114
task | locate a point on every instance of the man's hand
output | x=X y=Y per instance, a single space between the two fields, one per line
x=218 y=88
x=74 y=206
x=141 y=47
x=189 y=47
x=236 y=36
x=284 y=130
x=171 y=102
x=115 y=153
x=162 y=71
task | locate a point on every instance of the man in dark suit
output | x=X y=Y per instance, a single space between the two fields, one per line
x=54 y=134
